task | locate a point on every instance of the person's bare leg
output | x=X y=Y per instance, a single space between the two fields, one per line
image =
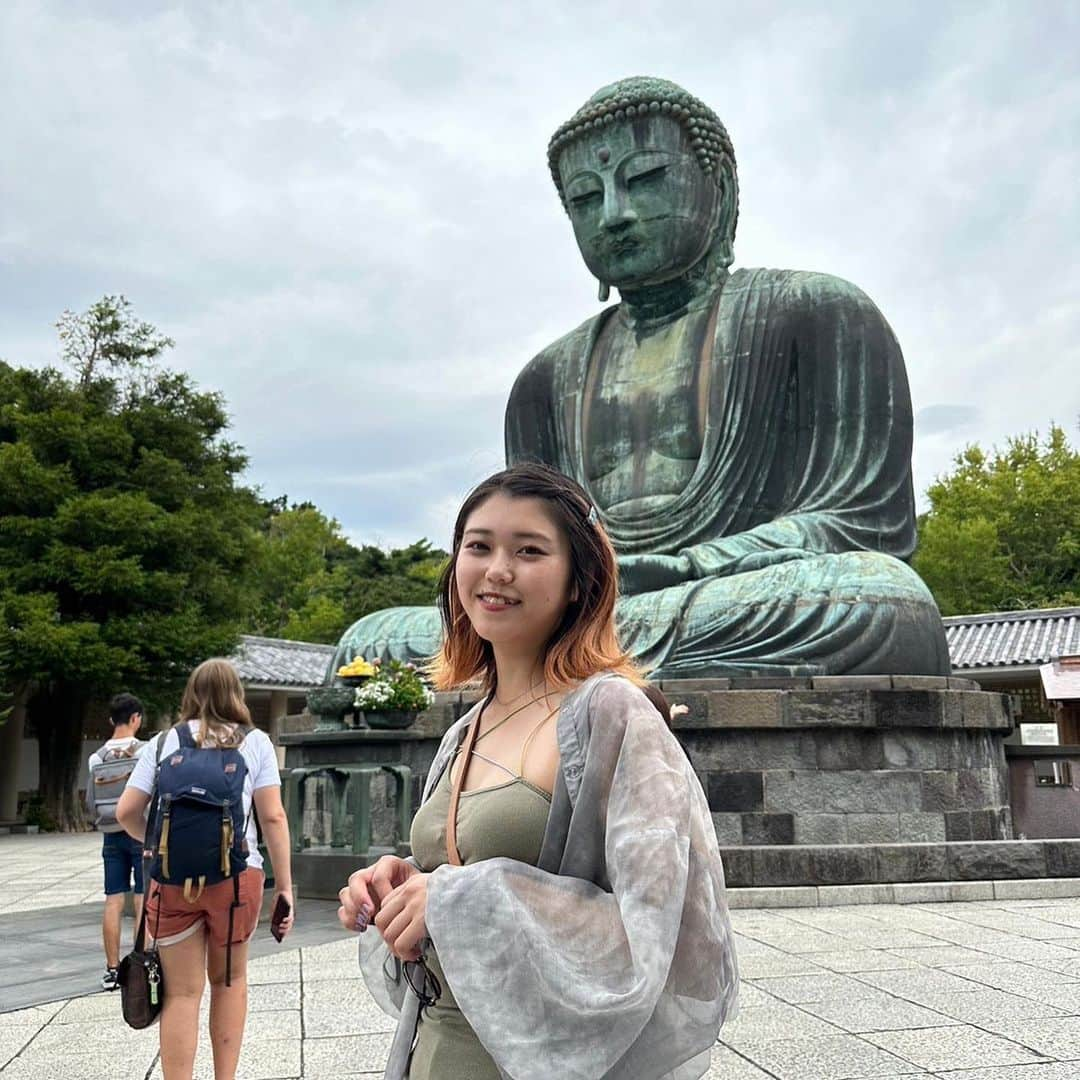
x=228 y=1008
x=184 y=971
x=110 y=928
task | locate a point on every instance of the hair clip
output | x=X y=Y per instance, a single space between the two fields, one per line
x=594 y=517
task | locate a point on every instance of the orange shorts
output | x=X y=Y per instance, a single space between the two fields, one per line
x=170 y=918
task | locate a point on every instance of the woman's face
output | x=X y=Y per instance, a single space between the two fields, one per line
x=513 y=572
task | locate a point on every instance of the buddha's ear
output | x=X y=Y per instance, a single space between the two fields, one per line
x=727 y=214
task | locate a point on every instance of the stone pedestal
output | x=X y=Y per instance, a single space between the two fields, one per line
x=822 y=781
x=341 y=776
x=848 y=759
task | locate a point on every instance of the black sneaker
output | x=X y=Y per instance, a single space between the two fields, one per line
x=110 y=980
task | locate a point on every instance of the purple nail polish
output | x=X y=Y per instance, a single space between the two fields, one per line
x=361 y=922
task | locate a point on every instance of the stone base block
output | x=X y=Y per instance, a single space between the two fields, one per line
x=935 y=892
x=848 y=759
x=886 y=864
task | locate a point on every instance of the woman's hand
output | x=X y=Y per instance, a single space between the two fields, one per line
x=401 y=918
x=367 y=888
x=286 y=924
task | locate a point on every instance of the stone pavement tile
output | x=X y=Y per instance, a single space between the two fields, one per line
x=277 y=1059
x=825 y=1057
x=343 y=947
x=92 y=1037
x=726 y=1064
x=980 y=1006
x=762 y=965
x=97 y=1007
x=962 y=1047
x=777 y=1022
x=342 y=1009
x=1027 y=980
x=266 y=996
x=269 y=1026
x=1065 y=998
x=345 y=1055
x=880 y=1013
x=753 y=997
x=15 y=1037
x=826 y=986
x=889 y=939
x=274 y=970
x=80 y=1067
x=946 y=956
x=1070 y=968
x=1051 y=1070
x=802 y=941
x=331 y=971
x=1057 y=1038
x=834 y=920
x=917 y=985
x=863 y=960
x=1027 y=951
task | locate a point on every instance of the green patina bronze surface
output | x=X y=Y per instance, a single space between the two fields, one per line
x=746 y=436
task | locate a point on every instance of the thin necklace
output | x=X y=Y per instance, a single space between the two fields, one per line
x=508 y=716
x=516 y=697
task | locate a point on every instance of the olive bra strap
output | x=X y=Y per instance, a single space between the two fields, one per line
x=453 y=855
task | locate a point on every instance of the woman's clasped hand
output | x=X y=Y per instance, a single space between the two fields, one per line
x=392 y=895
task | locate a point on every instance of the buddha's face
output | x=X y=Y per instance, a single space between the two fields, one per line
x=642 y=208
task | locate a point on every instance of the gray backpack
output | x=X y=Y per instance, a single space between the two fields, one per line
x=108 y=778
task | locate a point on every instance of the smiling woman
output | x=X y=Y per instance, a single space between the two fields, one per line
x=563 y=912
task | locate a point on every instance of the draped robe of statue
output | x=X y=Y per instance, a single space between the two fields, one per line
x=795 y=521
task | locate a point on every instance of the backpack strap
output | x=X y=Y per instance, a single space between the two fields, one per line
x=183 y=733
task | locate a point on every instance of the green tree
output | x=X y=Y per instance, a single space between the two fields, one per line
x=370 y=579
x=1003 y=529
x=124 y=533
x=312 y=583
x=298 y=597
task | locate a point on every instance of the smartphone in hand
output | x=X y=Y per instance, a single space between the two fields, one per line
x=281 y=912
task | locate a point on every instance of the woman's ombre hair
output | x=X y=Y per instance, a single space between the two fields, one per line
x=585 y=641
x=214 y=695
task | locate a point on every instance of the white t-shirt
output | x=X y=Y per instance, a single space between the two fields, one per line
x=262 y=771
x=116 y=744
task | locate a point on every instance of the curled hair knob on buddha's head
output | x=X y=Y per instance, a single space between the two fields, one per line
x=586 y=640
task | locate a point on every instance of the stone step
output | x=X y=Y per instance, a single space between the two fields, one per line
x=785 y=865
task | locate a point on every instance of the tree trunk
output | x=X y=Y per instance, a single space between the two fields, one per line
x=57 y=713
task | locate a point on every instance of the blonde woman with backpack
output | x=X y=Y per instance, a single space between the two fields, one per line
x=206 y=775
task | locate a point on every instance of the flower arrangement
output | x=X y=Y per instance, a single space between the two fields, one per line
x=395 y=687
x=356 y=668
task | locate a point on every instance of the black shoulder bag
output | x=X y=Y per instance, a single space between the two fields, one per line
x=142 y=989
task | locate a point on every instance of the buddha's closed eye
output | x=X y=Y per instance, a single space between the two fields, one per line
x=649 y=176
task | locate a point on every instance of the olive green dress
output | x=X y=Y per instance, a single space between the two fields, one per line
x=507 y=820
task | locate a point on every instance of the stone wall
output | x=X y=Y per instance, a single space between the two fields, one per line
x=872 y=760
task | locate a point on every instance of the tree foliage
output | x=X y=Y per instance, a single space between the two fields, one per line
x=1003 y=529
x=125 y=536
x=312 y=583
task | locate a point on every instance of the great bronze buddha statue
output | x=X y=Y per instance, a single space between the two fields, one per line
x=746 y=436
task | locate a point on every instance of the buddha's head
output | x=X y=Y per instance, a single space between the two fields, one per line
x=647 y=174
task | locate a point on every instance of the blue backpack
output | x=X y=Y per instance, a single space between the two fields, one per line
x=199 y=827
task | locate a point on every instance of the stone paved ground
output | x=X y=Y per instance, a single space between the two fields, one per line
x=964 y=991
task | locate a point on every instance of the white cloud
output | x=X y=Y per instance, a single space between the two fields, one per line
x=342 y=212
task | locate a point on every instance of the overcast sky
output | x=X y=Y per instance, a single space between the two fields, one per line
x=342 y=211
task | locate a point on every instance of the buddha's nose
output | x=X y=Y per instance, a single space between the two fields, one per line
x=618 y=214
